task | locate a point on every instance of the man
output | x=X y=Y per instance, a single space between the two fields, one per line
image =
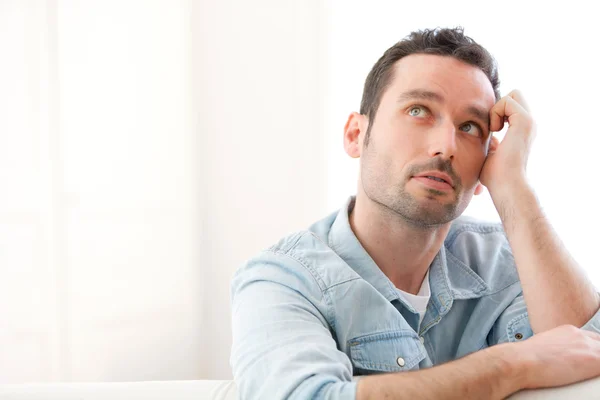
x=396 y=281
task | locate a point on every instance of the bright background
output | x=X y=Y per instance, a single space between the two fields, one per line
x=147 y=148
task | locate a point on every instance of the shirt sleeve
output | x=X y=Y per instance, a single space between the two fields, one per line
x=513 y=324
x=593 y=324
x=282 y=344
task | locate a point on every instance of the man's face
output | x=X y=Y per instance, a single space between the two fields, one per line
x=431 y=124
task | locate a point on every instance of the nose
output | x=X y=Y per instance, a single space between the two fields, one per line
x=443 y=141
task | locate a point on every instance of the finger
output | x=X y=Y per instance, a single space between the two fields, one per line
x=505 y=108
x=519 y=98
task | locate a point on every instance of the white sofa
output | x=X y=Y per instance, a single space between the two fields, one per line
x=216 y=390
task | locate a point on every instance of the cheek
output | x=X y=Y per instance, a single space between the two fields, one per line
x=476 y=170
x=410 y=145
x=471 y=167
x=398 y=144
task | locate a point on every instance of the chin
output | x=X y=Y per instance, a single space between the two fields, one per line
x=437 y=216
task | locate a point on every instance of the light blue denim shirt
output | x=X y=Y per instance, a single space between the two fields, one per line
x=314 y=310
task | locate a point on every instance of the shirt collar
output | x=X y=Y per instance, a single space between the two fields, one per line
x=449 y=277
x=343 y=241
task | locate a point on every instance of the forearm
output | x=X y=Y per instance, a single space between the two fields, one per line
x=493 y=373
x=555 y=288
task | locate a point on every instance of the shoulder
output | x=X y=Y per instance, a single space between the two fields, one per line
x=302 y=260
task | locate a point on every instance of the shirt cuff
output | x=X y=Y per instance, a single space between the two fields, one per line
x=593 y=324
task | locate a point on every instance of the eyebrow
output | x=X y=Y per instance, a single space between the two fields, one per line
x=422 y=94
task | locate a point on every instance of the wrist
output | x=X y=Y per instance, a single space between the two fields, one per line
x=514 y=201
x=513 y=367
x=508 y=187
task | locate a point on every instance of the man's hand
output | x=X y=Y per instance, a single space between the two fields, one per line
x=507 y=161
x=560 y=356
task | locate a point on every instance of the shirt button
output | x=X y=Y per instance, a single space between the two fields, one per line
x=422 y=339
x=400 y=361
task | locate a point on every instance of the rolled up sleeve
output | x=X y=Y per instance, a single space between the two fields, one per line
x=593 y=324
x=513 y=324
x=282 y=344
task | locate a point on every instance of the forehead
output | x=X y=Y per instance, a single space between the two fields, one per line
x=458 y=82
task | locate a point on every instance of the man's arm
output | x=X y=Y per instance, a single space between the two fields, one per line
x=498 y=371
x=487 y=374
x=555 y=288
x=282 y=344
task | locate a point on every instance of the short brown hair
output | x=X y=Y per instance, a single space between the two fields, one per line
x=439 y=41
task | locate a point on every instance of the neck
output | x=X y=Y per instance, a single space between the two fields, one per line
x=403 y=251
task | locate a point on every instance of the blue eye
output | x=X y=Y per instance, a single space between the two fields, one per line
x=416 y=111
x=474 y=129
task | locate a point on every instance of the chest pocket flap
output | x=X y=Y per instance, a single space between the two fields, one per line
x=392 y=351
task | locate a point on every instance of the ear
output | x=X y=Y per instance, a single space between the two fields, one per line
x=354 y=131
x=478 y=189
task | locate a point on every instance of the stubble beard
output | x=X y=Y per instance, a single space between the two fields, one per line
x=425 y=212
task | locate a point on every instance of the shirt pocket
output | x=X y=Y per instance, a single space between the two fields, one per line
x=392 y=351
x=519 y=329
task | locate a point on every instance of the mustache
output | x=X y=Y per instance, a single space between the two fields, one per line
x=436 y=164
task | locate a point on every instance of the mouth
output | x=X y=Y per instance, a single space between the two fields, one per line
x=436 y=180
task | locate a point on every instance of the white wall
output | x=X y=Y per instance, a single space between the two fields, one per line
x=147 y=149
x=28 y=334
x=131 y=201
x=100 y=228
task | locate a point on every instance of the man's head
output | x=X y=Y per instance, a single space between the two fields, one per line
x=424 y=112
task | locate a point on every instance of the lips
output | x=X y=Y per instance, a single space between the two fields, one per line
x=437 y=176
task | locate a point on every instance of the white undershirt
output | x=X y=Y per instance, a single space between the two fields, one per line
x=419 y=301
